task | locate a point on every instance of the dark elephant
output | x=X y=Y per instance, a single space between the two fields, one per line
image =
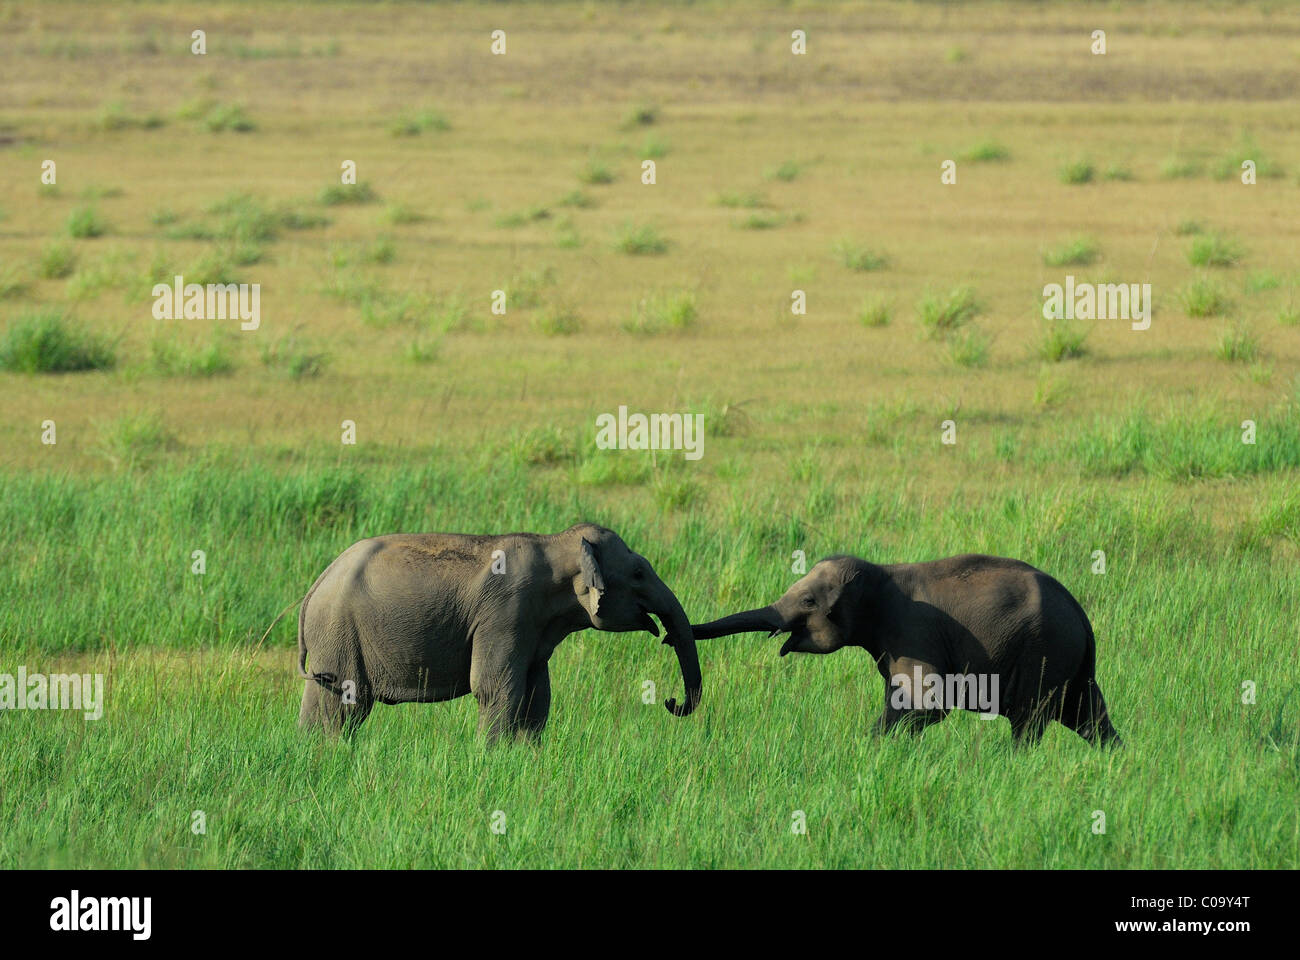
x=966 y=620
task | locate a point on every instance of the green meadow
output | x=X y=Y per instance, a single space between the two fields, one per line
x=1153 y=472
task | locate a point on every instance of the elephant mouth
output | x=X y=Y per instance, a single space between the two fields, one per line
x=791 y=644
x=648 y=623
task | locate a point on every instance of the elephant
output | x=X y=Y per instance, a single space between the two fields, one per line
x=965 y=619
x=421 y=618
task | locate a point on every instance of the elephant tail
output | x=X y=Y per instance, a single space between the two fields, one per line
x=302 y=634
x=280 y=616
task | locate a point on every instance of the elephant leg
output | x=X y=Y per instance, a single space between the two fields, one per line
x=1028 y=724
x=905 y=721
x=883 y=723
x=500 y=686
x=338 y=695
x=500 y=709
x=537 y=699
x=908 y=721
x=890 y=719
x=904 y=701
x=310 y=714
x=1085 y=713
x=335 y=708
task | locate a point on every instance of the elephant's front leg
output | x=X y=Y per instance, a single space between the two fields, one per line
x=499 y=681
x=906 y=697
x=893 y=717
x=537 y=699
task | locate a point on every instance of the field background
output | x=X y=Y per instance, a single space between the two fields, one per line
x=775 y=173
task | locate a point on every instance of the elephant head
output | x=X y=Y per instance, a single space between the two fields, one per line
x=818 y=611
x=619 y=590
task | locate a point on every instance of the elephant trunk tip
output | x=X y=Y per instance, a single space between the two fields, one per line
x=682 y=709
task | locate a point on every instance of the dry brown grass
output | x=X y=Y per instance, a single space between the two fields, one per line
x=868 y=116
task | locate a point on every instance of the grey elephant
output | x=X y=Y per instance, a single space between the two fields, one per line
x=939 y=630
x=419 y=618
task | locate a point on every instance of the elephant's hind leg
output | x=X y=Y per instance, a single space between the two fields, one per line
x=334 y=707
x=1085 y=713
x=1027 y=725
x=337 y=695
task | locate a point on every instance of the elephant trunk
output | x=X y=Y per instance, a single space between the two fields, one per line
x=678 y=635
x=751 y=621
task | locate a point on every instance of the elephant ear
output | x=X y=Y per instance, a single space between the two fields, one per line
x=841 y=587
x=589 y=564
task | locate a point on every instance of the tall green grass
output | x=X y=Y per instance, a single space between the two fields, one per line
x=1198 y=444
x=197 y=718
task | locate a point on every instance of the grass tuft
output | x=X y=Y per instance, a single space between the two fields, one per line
x=412 y=125
x=640 y=240
x=595 y=172
x=968 y=348
x=169 y=358
x=874 y=313
x=1214 y=250
x=663 y=312
x=1061 y=340
x=57 y=261
x=1077 y=172
x=1204 y=297
x=48 y=342
x=1078 y=252
x=294 y=358
x=941 y=315
x=338 y=194
x=986 y=151
x=786 y=172
x=1237 y=344
x=85 y=223
x=855 y=256
x=557 y=321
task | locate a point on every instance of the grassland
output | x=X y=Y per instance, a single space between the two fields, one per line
x=522 y=173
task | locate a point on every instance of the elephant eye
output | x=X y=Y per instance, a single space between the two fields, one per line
x=808 y=601
x=638 y=574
